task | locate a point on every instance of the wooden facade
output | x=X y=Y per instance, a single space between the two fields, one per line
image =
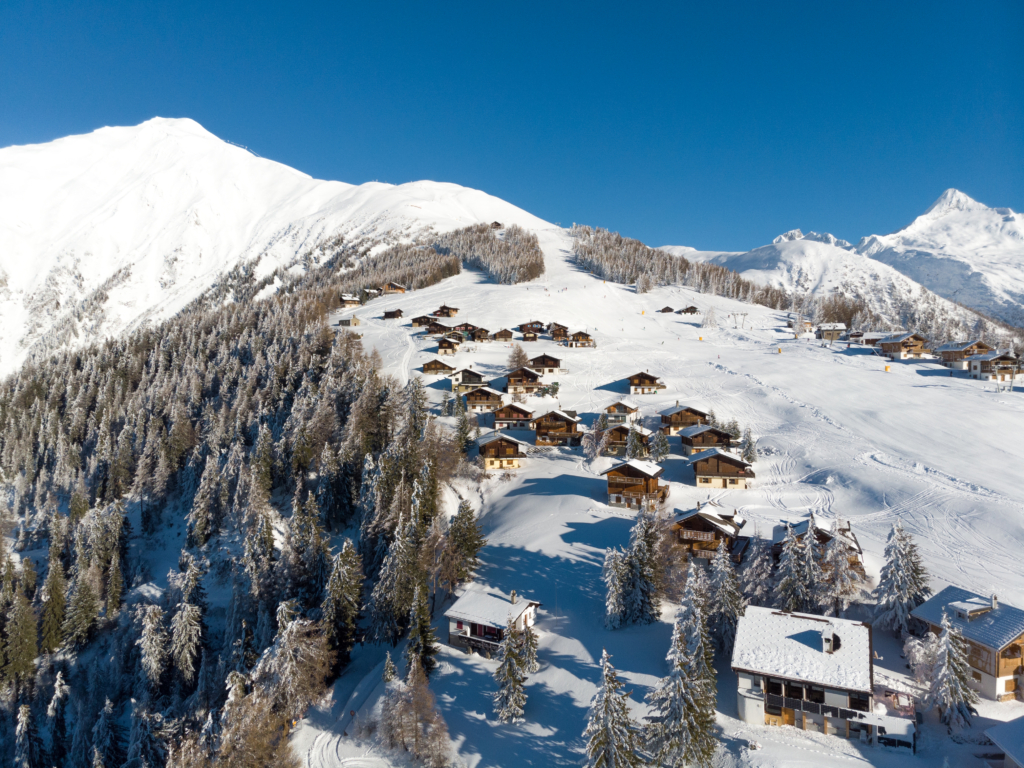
x=467 y=379
x=679 y=417
x=955 y=354
x=691 y=310
x=503 y=335
x=534 y=326
x=581 y=339
x=905 y=346
x=702 y=530
x=447 y=347
x=994 y=367
x=502 y=452
x=618 y=438
x=445 y=311
x=523 y=381
x=700 y=437
x=715 y=469
x=481 y=335
x=512 y=416
x=558 y=332
x=831 y=331
x=621 y=413
x=545 y=364
x=465 y=328
x=483 y=400
x=423 y=321
x=557 y=428
x=393 y=288
x=666 y=310
x=437 y=329
x=529 y=336
x=347 y=301
x=350 y=322
x=644 y=383
x=634 y=483
x=437 y=368
x=392 y=314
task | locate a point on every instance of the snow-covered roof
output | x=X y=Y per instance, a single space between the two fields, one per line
x=800 y=528
x=957 y=346
x=642 y=430
x=710 y=452
x=1009 y=737
x=495 y=435
x=677 y=408
x=482 y=608
x=832 y=326
x=518 y=407
x=488 y=390
x=726 y=520
x=995 y=628
x=569 y=417
x=987 y=356
x=789 y=645
x=349 y=297
x=465 y=370
x=625 y=402
x=697 y=429
x=649 y=468
x=895 y=339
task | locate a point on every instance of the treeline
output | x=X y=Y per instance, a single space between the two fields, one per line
x=513 y=258
x=209 y=417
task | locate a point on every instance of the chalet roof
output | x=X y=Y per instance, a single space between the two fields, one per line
x=831 y=326
x=679 y=408
x=645 y=375
x=648 y=468
x=726 y=520
x=392 y=282
x=438 y=362
x=697 y=429
x=504 y=330
x=712 y=452
x=995 y=629
x=466 y=370
x=349 y=297
x=447 y=308
x=567 y=415
x=513 y=406
x=491 y=610
x=901 y=337
x=989 y=356
x=539 y=359
x=800 y=528
x=526 y=374
x=582 y=334
x=501 y=436
x=642 y=430
x=667 y=309
x=1009 y=737
x=960 y=346
x=789 y=645
x=628 y=403
x=488 y=390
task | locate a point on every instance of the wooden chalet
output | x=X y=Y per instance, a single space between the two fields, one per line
x=700 y=437
x=870 y=338
x=994 y=633
x=691 y=310
x=445 y=311
x=523 y=381
x=904 y=346
x=666 y=310
x=633 y=483
x=480 y=335
x=466 y=379
x=823 y=534
x=557 y=428
x=350 y=322
x=447 y=346
x=679 y=417
x=994 y=366
x=465 y=327
x=348 y=301
x=437 y=368
x=423 y=321
x=581 y=339
x=545 y=364
x=618 y=438
x=558 y=332
x=955 y=353
x=483 y=400
x=512 y=416
x=830 y=331
x=534 y=326
x=530 y=336
x=644 y=383
x=501 y=451
x=437 y=329
x=715 y=469
x=503 y=335
x=702 y=530
x=392 y=288
x=621 y=412
x=392 y=314
x=477 y=621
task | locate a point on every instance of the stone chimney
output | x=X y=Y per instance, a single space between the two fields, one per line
x=995 y=602
x=513 y=597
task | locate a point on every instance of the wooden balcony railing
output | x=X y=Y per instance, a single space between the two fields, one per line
x=696 y=535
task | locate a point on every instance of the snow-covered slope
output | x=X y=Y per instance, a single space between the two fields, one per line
x=821 y=264
x=963 y=250
x=153 y=214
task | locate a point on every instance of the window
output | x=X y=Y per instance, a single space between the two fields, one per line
x=859 y=701
x=705 y=479
x=816 y=694
x=458 y=625
x=774 y=686
x=794 y=690
x=777 y=711
x=732 y=481
x=976 y=676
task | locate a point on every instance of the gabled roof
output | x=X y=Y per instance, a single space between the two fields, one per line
x=800 y=528
x=1009 y=737
x=349 y=297
x=628 y=403
x=527 y=373
x=832 y=326
x=996 y=628
x=649 y=468
x=466 y=370
x=517 y=407
x=501 y=436
x=789 y=645
x=697 y=429
x=960 y=346
x=580 y=333
x=536 y=360
x=989 y=356
x=642 y=430
x=679 y=408
x=482 y=608
x=645 y=375
x=438 y=362
x=488 y=390
x=901 y=337
x=712 y=452
x=728 y=521
x=567 y=415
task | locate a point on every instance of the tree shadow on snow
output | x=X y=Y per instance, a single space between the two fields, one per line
x=562 y=485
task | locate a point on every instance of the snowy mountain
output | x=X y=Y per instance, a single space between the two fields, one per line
x=102 y=232
x=822 y=264
x=962 y=250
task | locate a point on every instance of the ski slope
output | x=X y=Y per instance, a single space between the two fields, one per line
x=837 y=435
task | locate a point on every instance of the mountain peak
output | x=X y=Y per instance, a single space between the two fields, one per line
x=817 y=237
x=953 y=200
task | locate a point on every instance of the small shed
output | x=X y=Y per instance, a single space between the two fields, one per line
x=666 y=310
x=350 y=322
x=447 y=346
x=392 y=314
x=503 y=335
x=690 y=310
x=529 y=336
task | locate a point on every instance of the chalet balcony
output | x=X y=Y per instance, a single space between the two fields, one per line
x=696 y=535
x=1010 y=666
x=462 y=639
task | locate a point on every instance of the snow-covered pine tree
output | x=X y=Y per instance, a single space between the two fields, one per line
x=902 y=583
x=115 y=585
x=54 y=601
x=611 y=734
x=390 y=673
x=635 y=448
x=814 y=576
x=659 y=446
x=342 y=603
x=28 y=747
x=950 y=689
x=614 y=580
x=709 y=321
x=841 y=581
x=793 y=592
x=389 y=605
x=107 y=741
x=528 y=649
x=749 y=454
x=152 y=643
x=642 y=573
x=922 y=655
x=510 y=699
x=82 y=612
x=56 y=716
x=757 y=576
x=186 y=640
x=200 y=519
x=21 y=646
x=700 y=671
x=461 y=555
x=422 y=644
x=727 y=603
x=145 y=748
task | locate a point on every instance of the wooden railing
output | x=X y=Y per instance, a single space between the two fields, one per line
x=696 y=535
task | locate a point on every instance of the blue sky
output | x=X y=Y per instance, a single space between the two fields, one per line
x=717 y=125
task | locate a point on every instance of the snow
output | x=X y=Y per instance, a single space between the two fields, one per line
x=1009 y=737
x=503 y=436
x=708 y=453
x=694 y=430
x=483 y=608
x=789 y=645
x=649 y=468
x=995 y=628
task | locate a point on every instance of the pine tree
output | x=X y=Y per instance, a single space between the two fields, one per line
x=115 y=583
x=757 y=576
x=263 y=461
x=950 y=688
x=106 y=737
x=793 y=592
x=902 y=585
x=28 y=748
x=21 y=644
x=463 y=429
x=612 y=736
x=82 y=612
x=56 y=716
x=727 y=603
x=200 y=518
x=186 y=640
x=614 y=575
x=390 y=673
x=528 y=649
x=814 y=576
x=392 y=595
x=749 y=454
x=517 y=358
x=152 y=643
x=659 y=446
x=145 y=749
x=422 y=644
x=510 y=699
x=635 y=448
x=841 y=582
x=341 y=605
x=642 y=581
x=461 y=556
